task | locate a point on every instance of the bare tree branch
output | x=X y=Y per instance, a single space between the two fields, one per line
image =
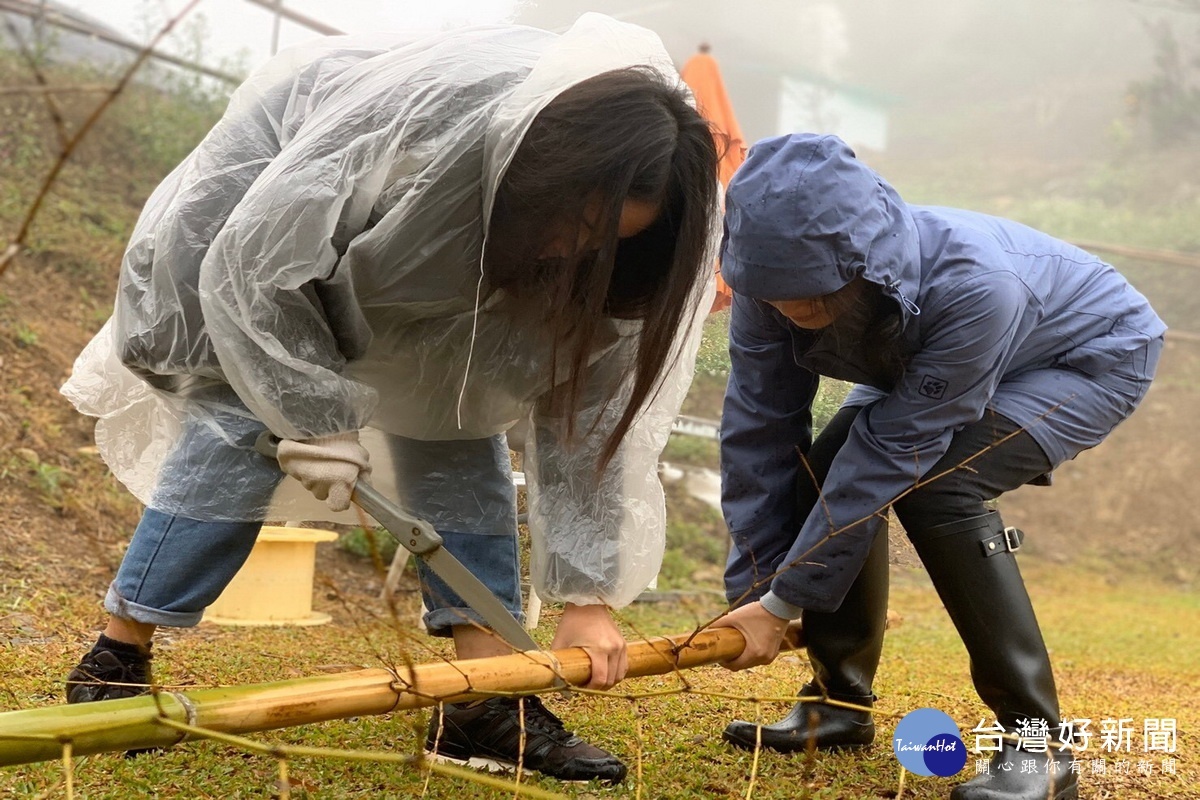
x=18 y=241
x=82 y=88
x=25 y=8
x=31 y=59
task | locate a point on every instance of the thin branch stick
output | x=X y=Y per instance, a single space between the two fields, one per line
x=285 y=786
x=757 y=750
x=83 y=130
x=68 y=769
x=299 y=751
x=1175 y=258
x=60 y=125
x=82 y=88
x=641 y=746
x=882 y=512
x=77 y=26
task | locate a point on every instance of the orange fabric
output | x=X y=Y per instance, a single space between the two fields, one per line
x=703 y=76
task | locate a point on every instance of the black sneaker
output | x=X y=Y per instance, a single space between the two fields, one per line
x=487 y=735
x=108 y=675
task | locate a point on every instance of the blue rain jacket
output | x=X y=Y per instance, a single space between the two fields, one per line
x=994 y=315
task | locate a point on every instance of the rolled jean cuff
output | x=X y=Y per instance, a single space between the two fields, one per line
x=780 y=607
x=439 y=621
x=492 y=559
x=127 y=609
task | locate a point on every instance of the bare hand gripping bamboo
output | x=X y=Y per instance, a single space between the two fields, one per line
x=39 y=734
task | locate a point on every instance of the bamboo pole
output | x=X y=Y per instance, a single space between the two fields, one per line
x=1173 y=257
x=83 y=88
x=39 y=734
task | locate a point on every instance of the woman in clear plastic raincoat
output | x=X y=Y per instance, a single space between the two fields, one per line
x=435 y=239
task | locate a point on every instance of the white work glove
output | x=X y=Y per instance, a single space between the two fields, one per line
x=328 y=466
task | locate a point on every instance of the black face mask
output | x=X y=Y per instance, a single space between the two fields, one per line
x=862 y=346
x=643 y=264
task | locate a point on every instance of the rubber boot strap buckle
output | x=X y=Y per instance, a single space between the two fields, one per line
x=1008 y=541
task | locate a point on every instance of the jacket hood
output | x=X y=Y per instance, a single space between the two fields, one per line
x=804 y=217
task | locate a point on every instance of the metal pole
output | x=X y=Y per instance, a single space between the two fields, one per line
x=298 y=18
x=275 y=27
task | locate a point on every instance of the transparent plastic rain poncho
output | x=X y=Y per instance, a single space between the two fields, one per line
x=320 y=251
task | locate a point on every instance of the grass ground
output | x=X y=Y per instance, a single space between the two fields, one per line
x=1122 y=649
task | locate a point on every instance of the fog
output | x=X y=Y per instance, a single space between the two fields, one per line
x=959 y=101
x=1079 y=117
x=907 y=80
x=1032 y=77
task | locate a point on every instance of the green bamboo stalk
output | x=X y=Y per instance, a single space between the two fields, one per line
x=38 y=734
x=164 y=718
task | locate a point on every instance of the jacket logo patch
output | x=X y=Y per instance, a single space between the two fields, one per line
x=933 y=388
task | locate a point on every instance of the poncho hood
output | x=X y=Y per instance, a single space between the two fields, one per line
x=595 y=44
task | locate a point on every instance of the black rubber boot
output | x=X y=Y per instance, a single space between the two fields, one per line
x=976 y=576
x=844 y=649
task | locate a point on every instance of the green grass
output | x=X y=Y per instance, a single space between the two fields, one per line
x=1122 y=649
x=695 y=451
x=713 y=356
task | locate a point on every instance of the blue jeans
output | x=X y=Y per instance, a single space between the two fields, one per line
x=177 y=563
x=465 y=490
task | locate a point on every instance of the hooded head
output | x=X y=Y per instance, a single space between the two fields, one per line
x=804 y=217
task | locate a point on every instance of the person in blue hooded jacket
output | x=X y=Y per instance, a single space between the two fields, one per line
x=984 y=354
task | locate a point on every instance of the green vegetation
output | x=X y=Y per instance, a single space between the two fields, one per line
x=692 y=451
x=369 y=543
x=1169 y=99
x=1108 y=655
x=26 y=336
x=51 y=480
x=712 y=359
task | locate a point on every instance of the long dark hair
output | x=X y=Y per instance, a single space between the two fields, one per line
x=623 y=135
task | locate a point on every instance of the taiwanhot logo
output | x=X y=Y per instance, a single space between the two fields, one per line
x=927 y=743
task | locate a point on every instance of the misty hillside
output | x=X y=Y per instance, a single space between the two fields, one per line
x=1020 y=77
